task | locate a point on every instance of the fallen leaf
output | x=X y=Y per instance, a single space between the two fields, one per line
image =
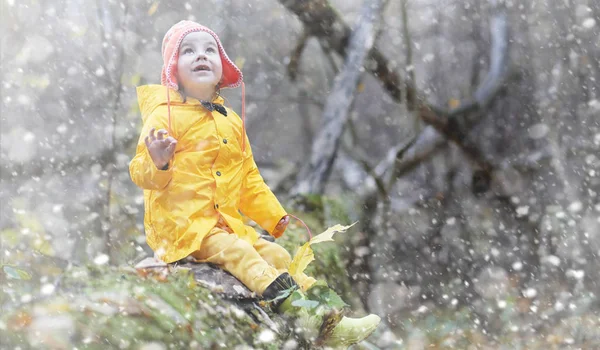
x=304 y=256
x=360 y=87
x=15 y=273
x=153 y=8
x=20 y=320
x=327 y=236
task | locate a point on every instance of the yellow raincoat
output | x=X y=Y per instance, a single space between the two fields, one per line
x=208 y=177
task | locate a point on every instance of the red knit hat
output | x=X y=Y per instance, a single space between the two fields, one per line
x=232 y=76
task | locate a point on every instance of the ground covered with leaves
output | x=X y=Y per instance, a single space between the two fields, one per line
x=117 y=308
x=98 y=306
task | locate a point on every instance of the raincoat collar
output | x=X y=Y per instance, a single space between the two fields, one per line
x=151 y=96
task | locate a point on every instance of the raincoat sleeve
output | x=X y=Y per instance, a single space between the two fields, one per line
x=257 y=200
x=142 y=169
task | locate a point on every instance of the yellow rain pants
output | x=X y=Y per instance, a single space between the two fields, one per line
x=256 y=266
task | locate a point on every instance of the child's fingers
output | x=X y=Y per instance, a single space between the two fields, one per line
x=160 y=134
x=151 y=134
x=283 y=222
x=170 y=140
x=172 y=144
x=171 y=147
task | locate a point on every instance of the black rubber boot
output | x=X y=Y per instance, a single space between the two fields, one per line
x=278 y=291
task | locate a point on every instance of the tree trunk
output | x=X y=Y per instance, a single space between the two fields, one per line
x=314 y=175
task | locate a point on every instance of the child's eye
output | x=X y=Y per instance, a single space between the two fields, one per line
x=210 y=49
x=188 y=50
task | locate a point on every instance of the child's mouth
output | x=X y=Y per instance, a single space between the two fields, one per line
x=201 y=68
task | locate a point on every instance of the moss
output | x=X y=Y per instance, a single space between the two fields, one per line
x=113 y=308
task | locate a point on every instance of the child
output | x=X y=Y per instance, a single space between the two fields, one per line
x=195 y=164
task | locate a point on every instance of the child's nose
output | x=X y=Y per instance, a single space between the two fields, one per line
x=201 y=56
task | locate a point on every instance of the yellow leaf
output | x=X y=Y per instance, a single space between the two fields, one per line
x=153 y=8
x=304 y=256
x=327 y=236
x=454 y=103
x=360 y=87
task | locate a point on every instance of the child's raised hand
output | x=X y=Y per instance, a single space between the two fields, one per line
x=161 y=149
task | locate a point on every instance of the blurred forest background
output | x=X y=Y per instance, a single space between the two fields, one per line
x=468 y=148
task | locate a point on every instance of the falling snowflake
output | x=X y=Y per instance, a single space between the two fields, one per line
x=99 y=72
x=589 y=23
x=575 y=207
x=266 y=336
x=101 y=259
x=517 y=266
x=28 y=137
x=530 y=293
x=552 y=260
x=522 y=210
x=47 y=289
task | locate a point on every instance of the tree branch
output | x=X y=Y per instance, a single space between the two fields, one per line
x=292 y=68
x=322 y=21
x=314 y=175
x=410 y=97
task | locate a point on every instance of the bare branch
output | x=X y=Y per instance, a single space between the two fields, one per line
x=410 y=102
x=314 y=175
x=454 y=124
x=321 y=19
x=292 y=67
x=332 y=30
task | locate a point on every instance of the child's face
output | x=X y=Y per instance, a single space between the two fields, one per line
x=199 y=64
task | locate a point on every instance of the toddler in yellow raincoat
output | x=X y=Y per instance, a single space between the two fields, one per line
x=195 y=165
